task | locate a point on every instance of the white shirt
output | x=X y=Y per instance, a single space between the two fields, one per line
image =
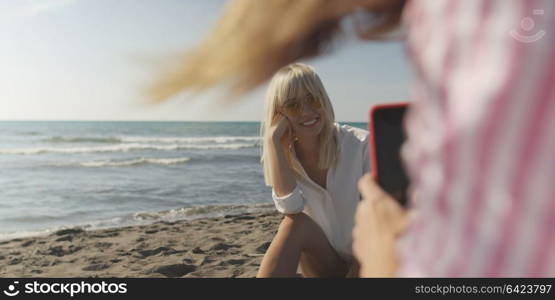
x=333 y=208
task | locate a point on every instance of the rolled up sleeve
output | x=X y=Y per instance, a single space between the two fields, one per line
x=292 y=203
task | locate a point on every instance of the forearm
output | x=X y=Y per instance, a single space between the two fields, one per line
x=283 y=179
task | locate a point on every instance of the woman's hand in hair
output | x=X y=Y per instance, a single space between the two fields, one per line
x=281 y=131
x=279 y=137
x=379 y=220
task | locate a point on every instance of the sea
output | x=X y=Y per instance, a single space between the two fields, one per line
x=60 y=174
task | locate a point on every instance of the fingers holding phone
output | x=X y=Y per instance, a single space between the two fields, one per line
x=379 y=219
x=391 y=214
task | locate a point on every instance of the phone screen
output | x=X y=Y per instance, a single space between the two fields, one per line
x=388 y=136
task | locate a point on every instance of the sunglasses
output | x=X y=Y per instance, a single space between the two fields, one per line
x=295 y=107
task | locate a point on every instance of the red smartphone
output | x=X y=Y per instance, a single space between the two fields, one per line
x=387 y=134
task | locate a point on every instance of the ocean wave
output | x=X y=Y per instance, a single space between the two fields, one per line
x=67 y=139
x=146 y=139
x=125 y=148
x=31 y=133
x=204 y=211
x=212 y=159
x=31 y=219
x=134 y=162
x=191 y=140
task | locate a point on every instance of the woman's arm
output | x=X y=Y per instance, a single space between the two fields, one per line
x=283 y=179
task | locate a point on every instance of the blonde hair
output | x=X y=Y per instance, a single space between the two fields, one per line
x=294 y=81
x=255 y=38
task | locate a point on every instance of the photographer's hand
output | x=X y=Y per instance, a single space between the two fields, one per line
x=379 y=220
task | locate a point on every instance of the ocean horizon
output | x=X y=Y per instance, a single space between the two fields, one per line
x=102 y=174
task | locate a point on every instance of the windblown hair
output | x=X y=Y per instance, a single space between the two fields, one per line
x=295 y=81
x=255 y=38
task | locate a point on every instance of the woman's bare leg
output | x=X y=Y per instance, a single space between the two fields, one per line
x=300 y=240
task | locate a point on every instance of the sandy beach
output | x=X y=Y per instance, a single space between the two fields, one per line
x=228 y=246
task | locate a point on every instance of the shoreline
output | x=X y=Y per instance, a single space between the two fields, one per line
x=227 y=246
x=145 y=218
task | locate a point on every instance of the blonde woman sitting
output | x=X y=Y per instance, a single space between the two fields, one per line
x=313 y=165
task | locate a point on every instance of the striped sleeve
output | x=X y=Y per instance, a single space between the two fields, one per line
x=481 y=138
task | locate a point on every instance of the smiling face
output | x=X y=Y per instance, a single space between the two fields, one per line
x=297 y=93
x=305 y=114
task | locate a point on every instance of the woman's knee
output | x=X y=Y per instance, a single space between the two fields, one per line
x=293 y=221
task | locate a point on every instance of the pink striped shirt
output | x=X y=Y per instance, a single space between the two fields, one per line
x=481 y=139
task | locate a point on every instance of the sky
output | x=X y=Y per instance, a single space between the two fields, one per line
x=93 y=59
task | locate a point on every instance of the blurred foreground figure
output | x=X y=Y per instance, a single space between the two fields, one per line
x=481 y=129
